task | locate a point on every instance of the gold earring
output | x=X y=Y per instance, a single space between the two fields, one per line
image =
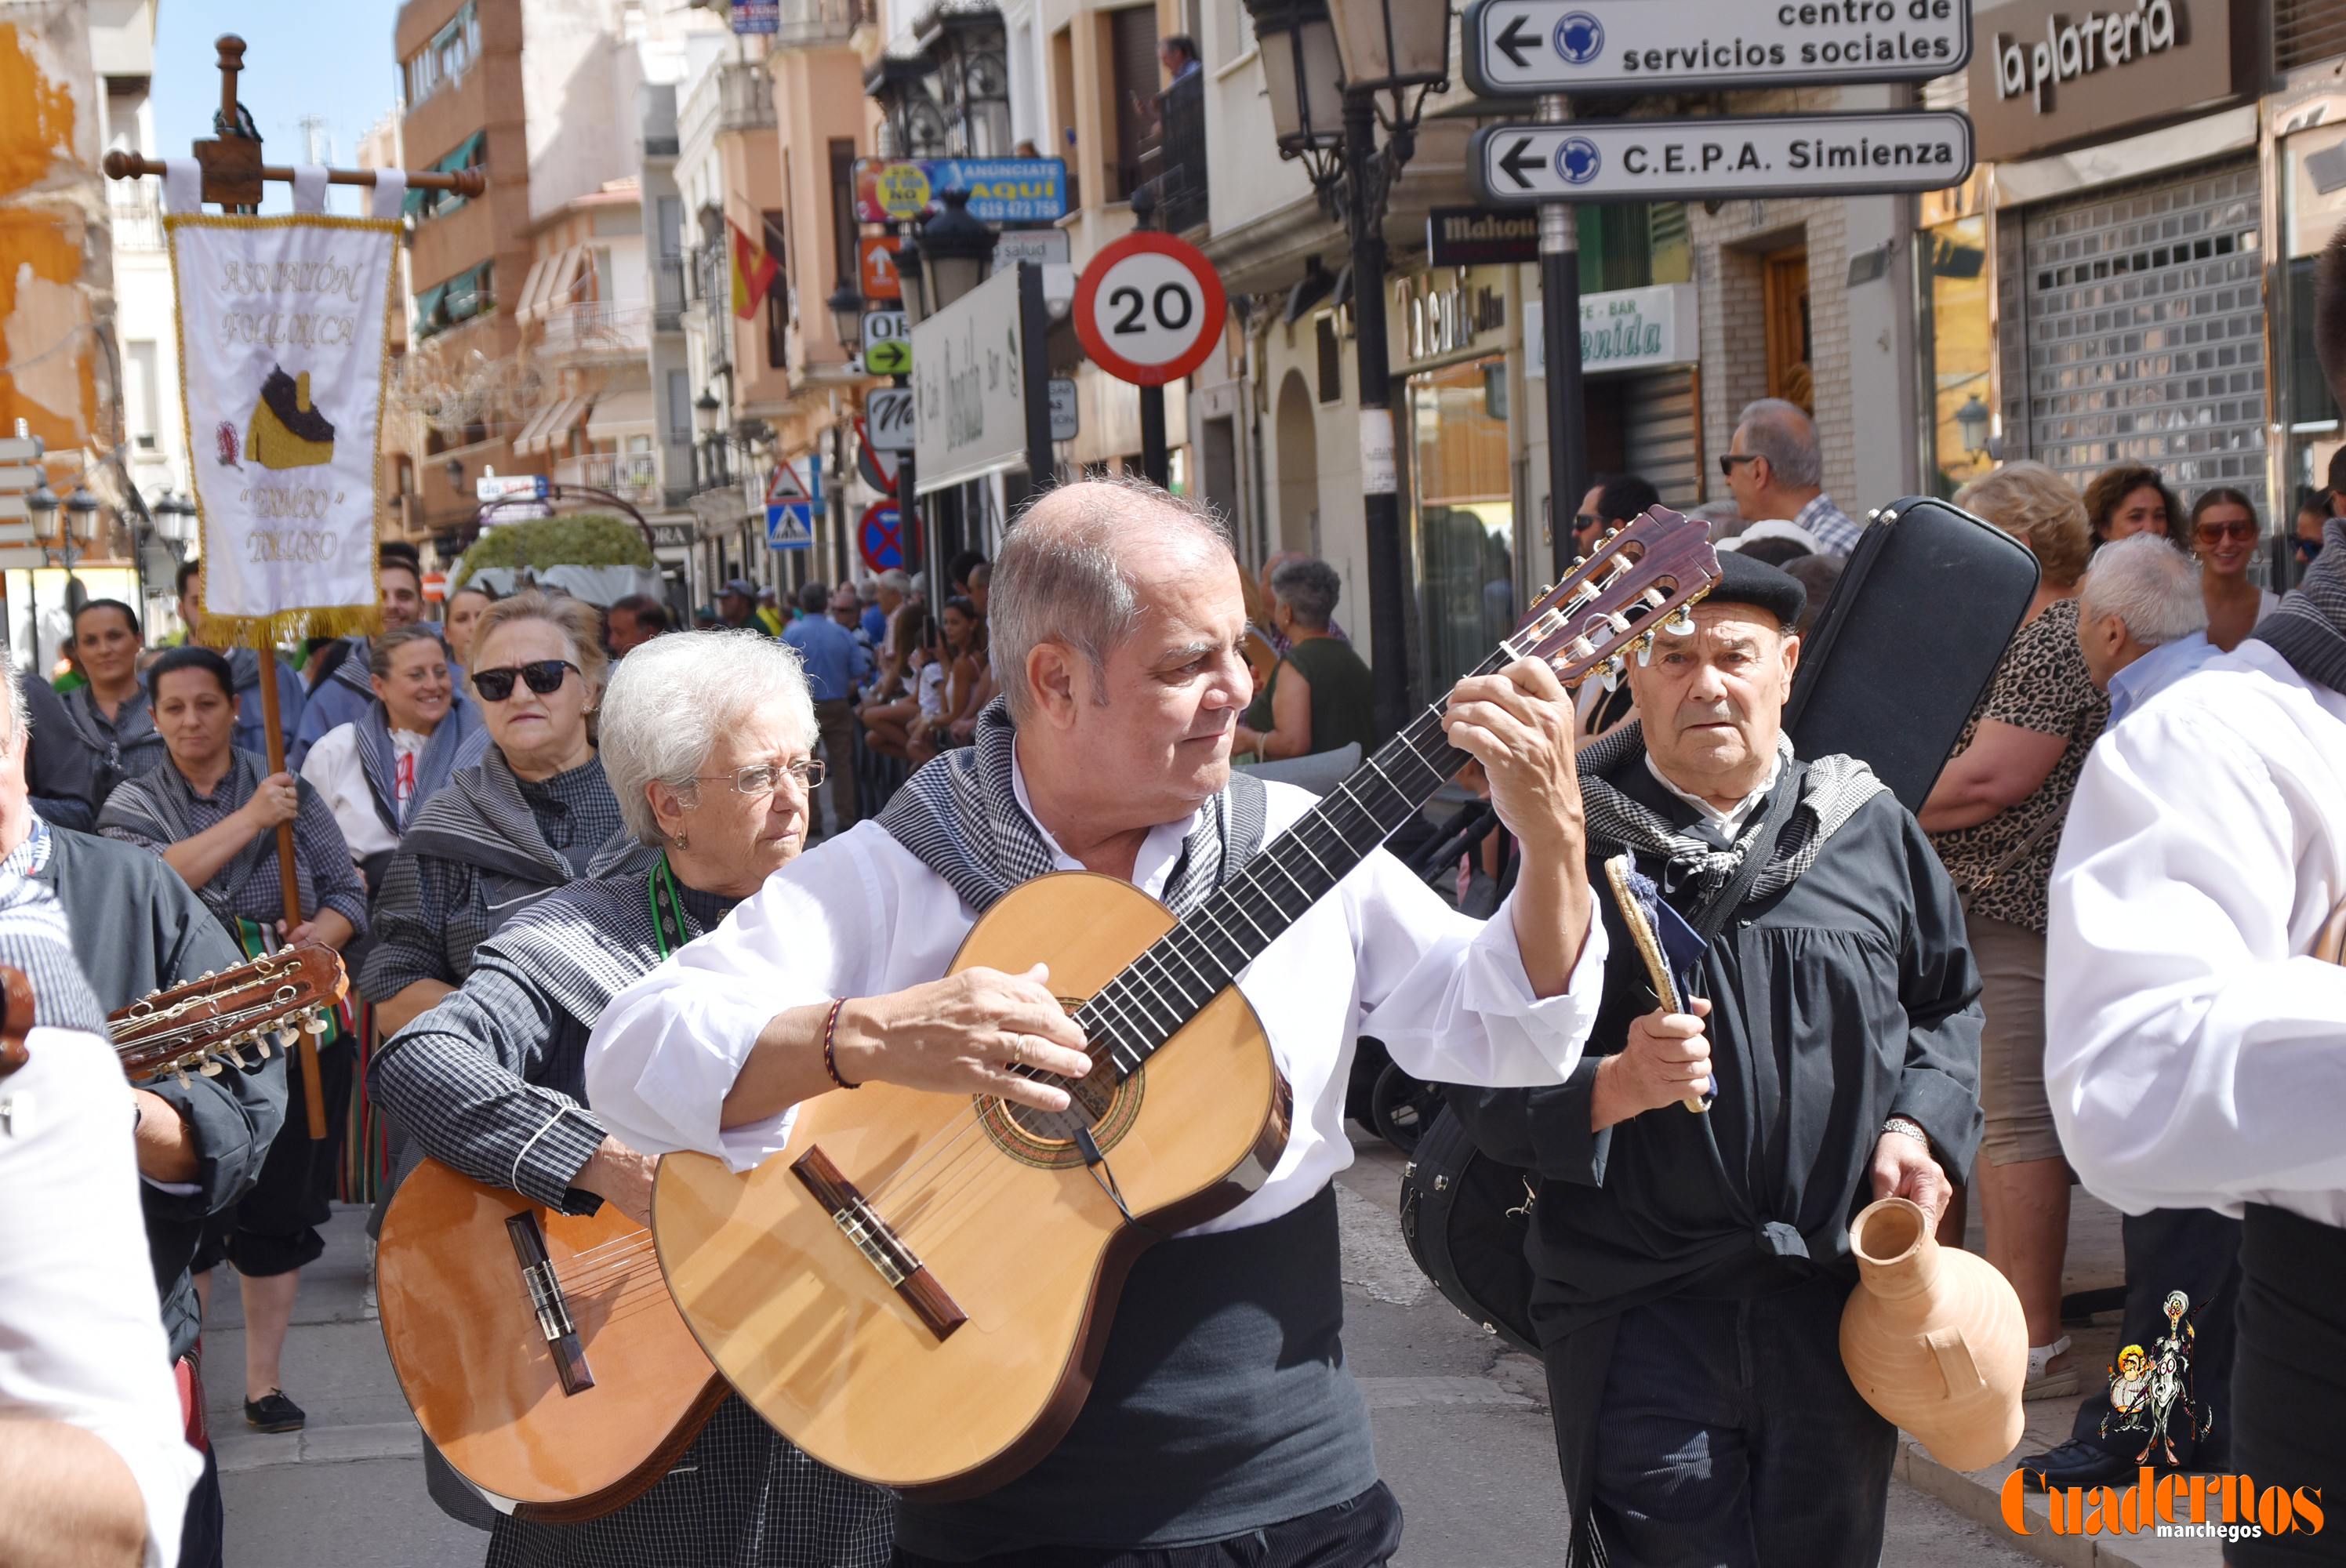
x=683 y=842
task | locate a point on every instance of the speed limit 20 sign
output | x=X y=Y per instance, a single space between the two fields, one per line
x=1150 y=309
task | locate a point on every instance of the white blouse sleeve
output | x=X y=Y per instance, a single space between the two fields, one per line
x=81 y=1339
x=2191 y=1050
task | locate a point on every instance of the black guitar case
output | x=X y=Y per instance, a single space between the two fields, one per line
x=1464 y=1219
x=1900 y=656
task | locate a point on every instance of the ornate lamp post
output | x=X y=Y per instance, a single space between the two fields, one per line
x=1336 y=69
x=954 y=251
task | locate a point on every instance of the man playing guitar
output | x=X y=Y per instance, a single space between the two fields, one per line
x=1221 y=1407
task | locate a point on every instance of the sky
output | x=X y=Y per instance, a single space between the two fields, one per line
x=326 y=57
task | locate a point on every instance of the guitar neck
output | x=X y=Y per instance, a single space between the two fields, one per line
x=1160 y=992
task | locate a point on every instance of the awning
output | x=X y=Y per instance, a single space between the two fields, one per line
x=470 y=153
x=553 y=423
x=551 y=278
x=620 y=415
x=428 y=311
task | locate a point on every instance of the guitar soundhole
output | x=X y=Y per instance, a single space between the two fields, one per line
x=1099 y=1101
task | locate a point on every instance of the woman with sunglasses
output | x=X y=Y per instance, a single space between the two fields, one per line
x=503 y=833
x=2225 y=535
x=211 y=812
x=707 y=738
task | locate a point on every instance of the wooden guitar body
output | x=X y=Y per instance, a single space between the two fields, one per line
x=567 y=1428
x=958 y=1378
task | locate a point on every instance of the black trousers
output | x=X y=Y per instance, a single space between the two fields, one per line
x=2195 y=1252
x=273 y=1228
x=204 y=1535
x=1729 y=1436
x=1359 y=1532
x=2289 y=1382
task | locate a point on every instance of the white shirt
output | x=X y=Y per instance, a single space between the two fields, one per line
x=860 y=915
x=2193 y=1051
x=334 y=771
x=1730 y=821
x=81 y=1340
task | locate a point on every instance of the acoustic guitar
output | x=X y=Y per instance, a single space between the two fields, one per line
x=917 y=1291
x=539 y=1349
x=202 y=1026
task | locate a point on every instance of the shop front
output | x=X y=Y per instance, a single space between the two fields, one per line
x=2305 y=155
x=2124 y=295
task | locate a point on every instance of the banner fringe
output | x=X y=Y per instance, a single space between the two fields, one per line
x=290 y=625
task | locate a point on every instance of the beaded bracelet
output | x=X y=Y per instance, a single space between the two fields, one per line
x=830 y=1061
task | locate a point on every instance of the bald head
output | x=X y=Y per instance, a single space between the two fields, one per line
x=1072 y=569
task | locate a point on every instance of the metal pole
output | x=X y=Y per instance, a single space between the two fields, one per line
x=1156 y=456
x=1034 y=330
x=1379 y=481
x=1568 y=426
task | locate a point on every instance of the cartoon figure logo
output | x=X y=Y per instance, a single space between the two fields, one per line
x=1579 y=37
x=1578 y=160
x=225 y=440
x=2151 y=1393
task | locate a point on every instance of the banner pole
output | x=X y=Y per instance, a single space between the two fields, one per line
x=314 y=1092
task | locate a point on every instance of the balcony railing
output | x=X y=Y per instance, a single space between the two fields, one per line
x=745 y=99
x=813 y=24
x=631 y=475
x=1173 y=163
x=137 y=209
x=594 y=329
x=668 y=293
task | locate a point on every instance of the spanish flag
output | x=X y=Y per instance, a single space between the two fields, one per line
x=753 y=273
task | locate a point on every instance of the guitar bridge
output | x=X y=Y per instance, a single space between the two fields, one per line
x=553 y=1307
x=882 y=1248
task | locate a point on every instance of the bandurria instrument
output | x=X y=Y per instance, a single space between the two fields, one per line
x=198 y=1026
x=539 y=1349
x=918 y=1291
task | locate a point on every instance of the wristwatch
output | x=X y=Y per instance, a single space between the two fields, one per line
x=1910 y=1127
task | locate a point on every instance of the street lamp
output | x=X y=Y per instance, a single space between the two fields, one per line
x=175 y=517
x=909 y=283
x=954 y=251
x=41 y=505
x=81 y=514
x=1971 y=425
x=1326 y=63
x=846 y=308
x=455 y=469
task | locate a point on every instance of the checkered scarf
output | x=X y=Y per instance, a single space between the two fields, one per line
x=1831 y=791
x=35 y=941
x=2309 y=629
x=960 y=814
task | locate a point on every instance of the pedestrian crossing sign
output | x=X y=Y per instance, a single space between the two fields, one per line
x=789 y=525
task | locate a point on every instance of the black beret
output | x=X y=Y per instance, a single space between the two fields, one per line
x=1743 y=581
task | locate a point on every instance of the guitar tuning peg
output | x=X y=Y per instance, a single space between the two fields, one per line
x=1614 y=669
x=210 y=1069
x=285 y=1033
x=262 y=1045
x=1680 y=625
x=181 y=1074
x=1644 y=650
x=230 y=1051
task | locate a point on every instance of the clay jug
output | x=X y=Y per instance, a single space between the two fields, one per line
x=1934 y=1339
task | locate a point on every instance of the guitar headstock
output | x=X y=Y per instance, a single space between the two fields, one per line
x=1640 y=577
x=197 y=1026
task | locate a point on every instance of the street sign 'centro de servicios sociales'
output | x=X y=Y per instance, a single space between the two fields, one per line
x=1516 y=48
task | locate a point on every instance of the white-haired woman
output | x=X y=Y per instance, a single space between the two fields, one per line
x=708 y=742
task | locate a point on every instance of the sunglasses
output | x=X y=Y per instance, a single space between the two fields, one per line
x=2307 y=549
x=2237 y=528
x=1582 y=521
x=544 y=676
x=1727 y=461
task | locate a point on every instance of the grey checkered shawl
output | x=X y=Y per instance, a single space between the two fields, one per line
x=35 y=941
x=1831 y=791
x=2309 y=629
x=960 y=814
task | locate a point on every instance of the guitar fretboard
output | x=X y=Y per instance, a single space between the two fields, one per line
x=1160 y=992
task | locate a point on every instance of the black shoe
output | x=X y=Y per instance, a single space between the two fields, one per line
x=273 y=1412
x=2074 y=1463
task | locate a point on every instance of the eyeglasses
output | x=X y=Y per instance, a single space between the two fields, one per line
x=2237 y=528
x=1582 y=521
x=544 y=676
x=765 y=778
x=1727 y=460
x=2307 y=549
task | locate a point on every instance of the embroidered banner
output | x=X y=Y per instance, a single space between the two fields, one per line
x=283 y=360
